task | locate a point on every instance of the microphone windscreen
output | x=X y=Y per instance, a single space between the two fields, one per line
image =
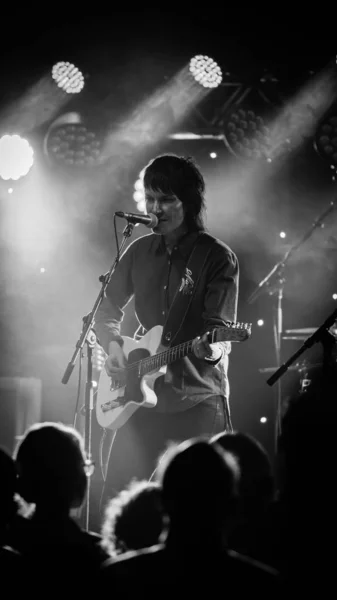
x=154 y=220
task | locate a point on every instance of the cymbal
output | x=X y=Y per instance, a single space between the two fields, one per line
x=274 y=369
x=295 y=337
x=295 y=367
x=303 y=331
x=302 y=334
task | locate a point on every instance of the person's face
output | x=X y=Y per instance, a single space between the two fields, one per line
x=168 y=209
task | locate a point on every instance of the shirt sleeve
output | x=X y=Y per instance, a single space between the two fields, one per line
x=222 y=288
x=118 y=293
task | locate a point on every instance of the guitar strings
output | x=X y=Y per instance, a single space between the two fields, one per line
x=173 y=350
x=157 y=357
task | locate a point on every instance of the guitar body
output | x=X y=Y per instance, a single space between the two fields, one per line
x=114 y=407
x=146 y=361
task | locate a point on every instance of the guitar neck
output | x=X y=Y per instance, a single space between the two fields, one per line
x=166 y=357
x=236 y=332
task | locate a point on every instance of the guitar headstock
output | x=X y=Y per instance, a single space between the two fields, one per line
x=232 y=331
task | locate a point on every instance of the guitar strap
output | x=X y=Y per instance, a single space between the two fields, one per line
x=186 y=288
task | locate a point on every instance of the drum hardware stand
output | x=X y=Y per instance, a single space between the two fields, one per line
x=273 y=284
x=88 y=336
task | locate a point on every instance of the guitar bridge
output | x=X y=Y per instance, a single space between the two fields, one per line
x=115 y=386
x=111 y=404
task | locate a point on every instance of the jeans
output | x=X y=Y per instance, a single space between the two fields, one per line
x=144 y=438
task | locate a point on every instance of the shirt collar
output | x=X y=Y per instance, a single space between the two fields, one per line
x=184 y=244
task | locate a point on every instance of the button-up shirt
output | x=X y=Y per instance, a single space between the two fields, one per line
x=152 y=275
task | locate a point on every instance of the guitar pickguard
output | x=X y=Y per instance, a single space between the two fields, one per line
x=132 y=390
x=115 y=406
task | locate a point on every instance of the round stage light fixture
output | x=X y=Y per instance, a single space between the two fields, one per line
x=68 y=77
x=325 y=141
x=73 y=144
x=16 y=157
x=205 y=71
x=246 y=134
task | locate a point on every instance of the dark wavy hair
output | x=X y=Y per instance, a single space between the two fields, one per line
x=179 y=175
x=134 y=519
x=50 y=459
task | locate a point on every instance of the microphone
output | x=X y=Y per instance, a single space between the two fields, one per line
x=149 y=220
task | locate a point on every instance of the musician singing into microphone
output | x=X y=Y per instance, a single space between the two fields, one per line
x=156 y=269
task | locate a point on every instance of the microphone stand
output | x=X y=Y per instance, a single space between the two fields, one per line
x=89 y=338
x=273 y=284
x=322 y=334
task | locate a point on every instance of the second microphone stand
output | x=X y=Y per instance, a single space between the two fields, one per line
x=273 y=284
x=86 y=337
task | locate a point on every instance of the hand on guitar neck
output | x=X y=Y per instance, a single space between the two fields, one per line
x=204 y=350
x=116 y=361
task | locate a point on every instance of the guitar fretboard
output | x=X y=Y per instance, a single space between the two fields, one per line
x=234 y=332
x=152 y=363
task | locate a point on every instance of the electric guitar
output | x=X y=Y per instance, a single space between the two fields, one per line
x=146 y=361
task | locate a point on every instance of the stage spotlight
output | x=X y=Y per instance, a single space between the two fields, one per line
x=138 y=194
x=205 y=71
x=246 y=134
x=98 y=358
x=73 y=144
x=68 y=77
x=325 y=141
x=16 y=157
x=139 y=186
x=141 y=205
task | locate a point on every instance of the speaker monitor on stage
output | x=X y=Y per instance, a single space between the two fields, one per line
x=20 y=407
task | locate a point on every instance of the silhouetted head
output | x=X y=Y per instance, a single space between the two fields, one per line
x=256 y=485
x=51 y=464
x=134 y=518
x=199 y=483
x=174 y=191
x=8 y=489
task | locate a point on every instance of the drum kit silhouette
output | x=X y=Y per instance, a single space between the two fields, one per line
x=304 y=368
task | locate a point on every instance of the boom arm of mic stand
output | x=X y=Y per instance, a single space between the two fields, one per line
x=276 y=270
x=89 y=319
x=280 y=265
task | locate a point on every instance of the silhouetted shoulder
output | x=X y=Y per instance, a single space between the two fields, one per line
x=11 y=569
x=132 y=559
x=243 y=562
x=9 y=556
